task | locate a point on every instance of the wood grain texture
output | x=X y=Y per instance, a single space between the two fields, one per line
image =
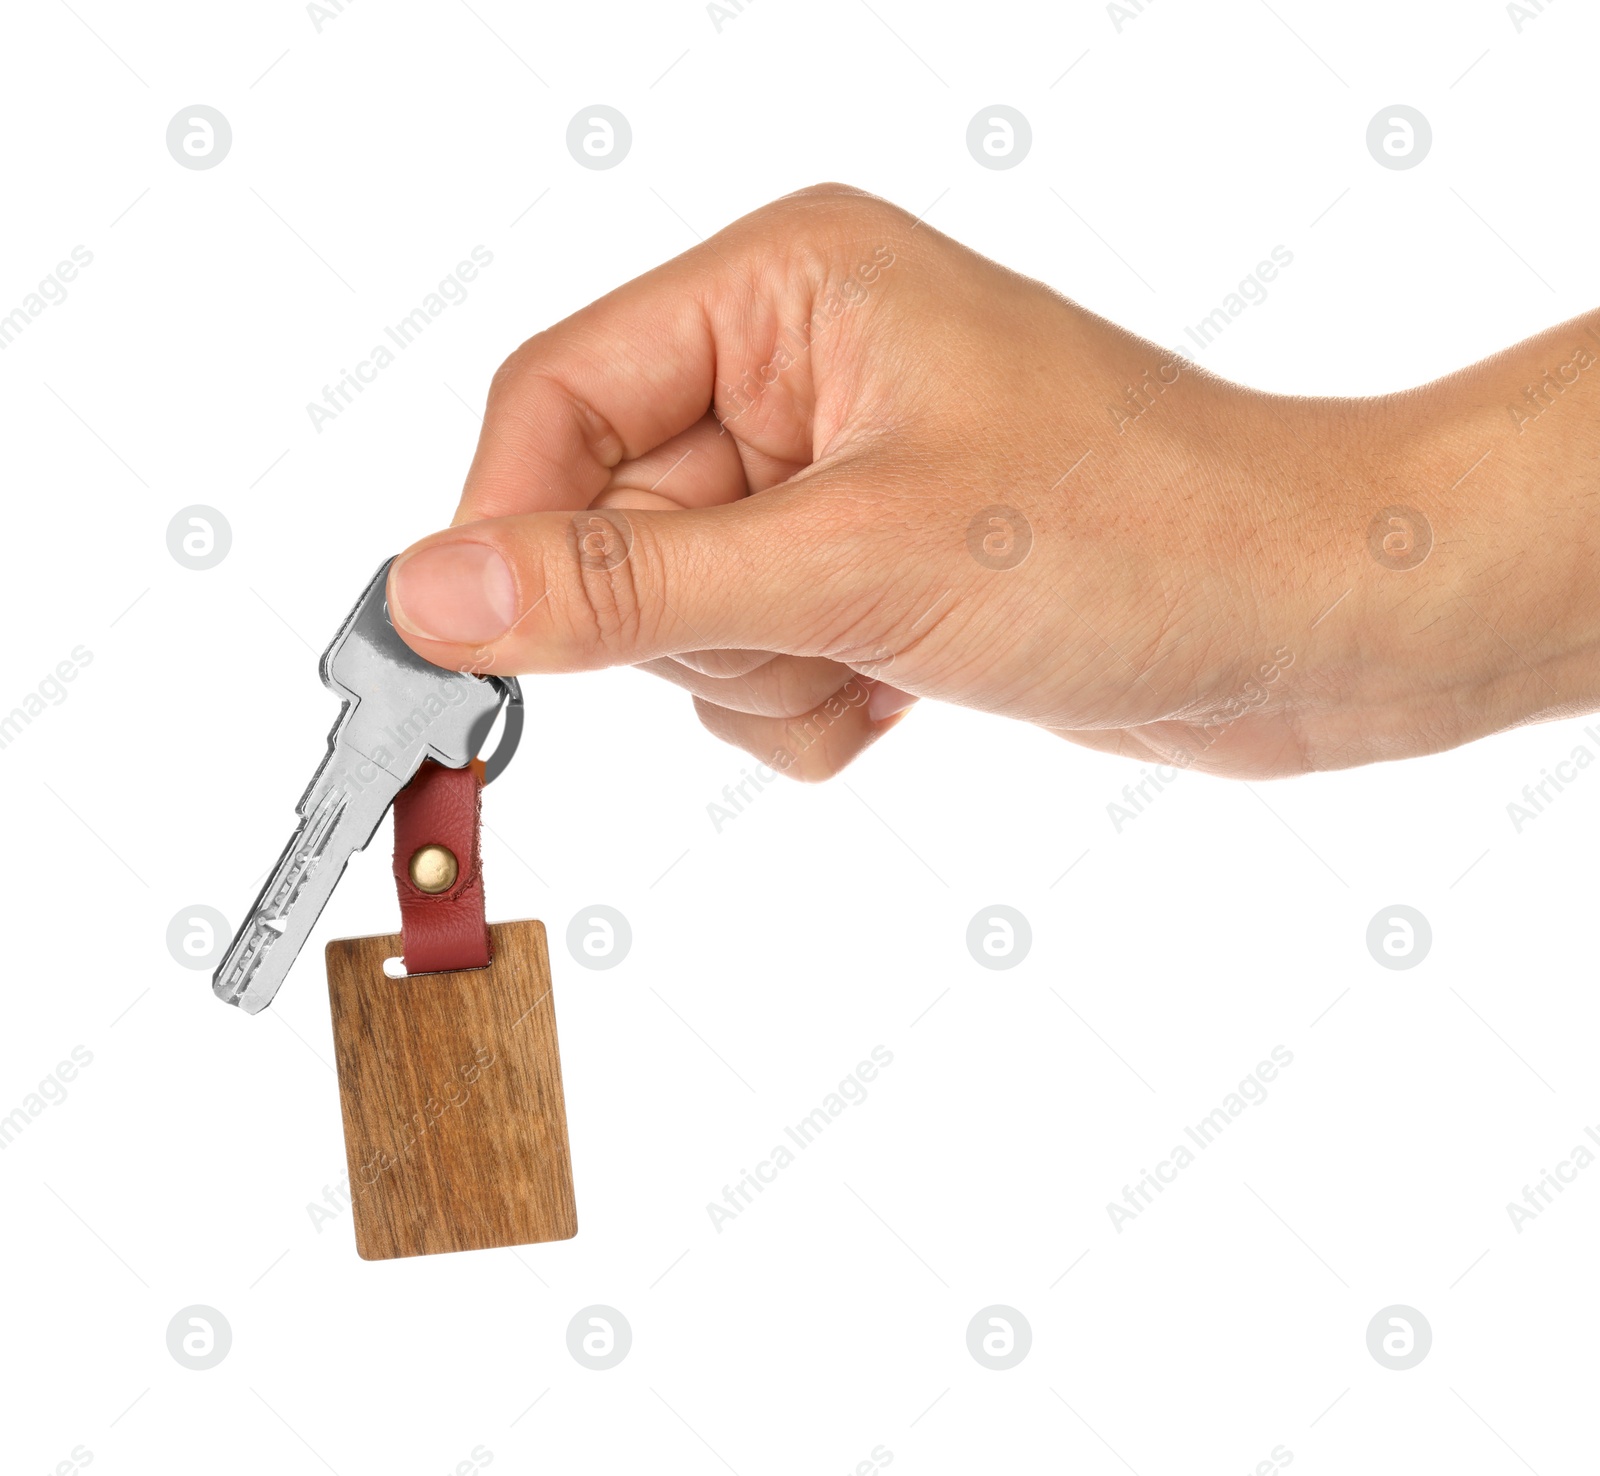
x=455 y=1126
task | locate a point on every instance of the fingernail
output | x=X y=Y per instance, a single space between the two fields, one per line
x=886 y=701
x=459 y=592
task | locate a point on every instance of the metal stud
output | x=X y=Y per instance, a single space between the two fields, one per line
x=433 y=869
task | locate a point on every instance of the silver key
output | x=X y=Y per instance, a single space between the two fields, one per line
x=397 y=710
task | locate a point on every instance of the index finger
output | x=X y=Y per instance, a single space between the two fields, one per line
x=640 y=366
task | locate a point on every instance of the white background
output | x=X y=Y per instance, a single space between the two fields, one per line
x=830 y=1319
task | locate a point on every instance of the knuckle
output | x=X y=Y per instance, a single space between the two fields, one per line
x=840 y=211
x=527 y=391
x=730 y=665
x=505 y=381
x=829 y=189
x=712 y=715
x=608 y=568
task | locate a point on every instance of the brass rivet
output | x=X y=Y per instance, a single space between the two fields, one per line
x=433 y=869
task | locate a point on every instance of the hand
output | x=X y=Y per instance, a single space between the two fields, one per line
x=830 y=461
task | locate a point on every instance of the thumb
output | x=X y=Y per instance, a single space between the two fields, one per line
x=564 y=591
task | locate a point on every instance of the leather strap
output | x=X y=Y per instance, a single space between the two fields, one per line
x=442 y=930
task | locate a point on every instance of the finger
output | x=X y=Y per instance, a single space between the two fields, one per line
x=730 y=663
x=814 y=746
x=785 y=686
x=700 y=468
x=645 y=362
x=607 y=385
x=573 y=592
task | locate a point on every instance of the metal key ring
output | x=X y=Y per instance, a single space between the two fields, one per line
x=511 y=734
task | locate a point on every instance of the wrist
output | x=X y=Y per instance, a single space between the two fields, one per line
x=1479 y=600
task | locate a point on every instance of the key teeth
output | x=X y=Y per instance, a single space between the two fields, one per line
x=235 y=989
x=252 y=946
x=233 y=979
x=230 y=997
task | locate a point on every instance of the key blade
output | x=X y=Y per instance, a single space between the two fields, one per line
x=339 y=821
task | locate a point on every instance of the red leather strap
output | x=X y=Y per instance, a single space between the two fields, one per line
x=442 y=930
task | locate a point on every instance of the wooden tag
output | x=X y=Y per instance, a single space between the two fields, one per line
x=455 y=1126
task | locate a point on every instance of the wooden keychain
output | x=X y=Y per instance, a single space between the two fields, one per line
x=455 y=1126
x=444 y=1033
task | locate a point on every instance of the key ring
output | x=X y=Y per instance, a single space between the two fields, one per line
x=511 y=734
